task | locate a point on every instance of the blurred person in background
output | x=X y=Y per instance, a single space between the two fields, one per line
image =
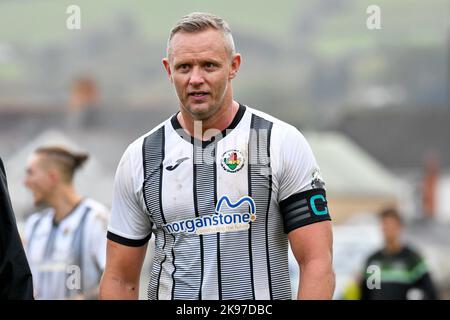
x=15 y=275
x=66 y=242
x=403 y=272
x=262 y=174
x=84 y=107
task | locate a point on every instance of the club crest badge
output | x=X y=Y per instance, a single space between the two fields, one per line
x=232 y=161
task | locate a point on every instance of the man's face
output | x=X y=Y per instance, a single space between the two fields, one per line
x=392 y=229
x=200 y=67
x=39 y=179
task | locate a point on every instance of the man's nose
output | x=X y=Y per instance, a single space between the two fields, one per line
x=196 y=78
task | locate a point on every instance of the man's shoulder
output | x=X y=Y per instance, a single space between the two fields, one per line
x=46 y=213
x=283 y=133
x=270 y=118
x=96 y=206
x=411 y=253
x=376 y=255
x=135 y=147
x=98 y=212
x=138 y=142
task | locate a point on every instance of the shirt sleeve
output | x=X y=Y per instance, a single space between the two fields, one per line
x=129 y=224
x=94 y=250
x=97 y=229
x=421 y=277
x=300 y=171
x=302 y=195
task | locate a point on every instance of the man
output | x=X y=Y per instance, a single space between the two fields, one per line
x=403 y=272
x=222 y=187
x=15 y=275
x=65 y=243
x=84 y=104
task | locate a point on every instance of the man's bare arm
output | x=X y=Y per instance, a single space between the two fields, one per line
x=122 y=272
x=312 y=246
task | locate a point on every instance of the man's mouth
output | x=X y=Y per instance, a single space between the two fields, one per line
x=198 y=94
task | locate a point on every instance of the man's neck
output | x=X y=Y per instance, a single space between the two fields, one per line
x=205 y=129
x=393 y=247
x=64 y=202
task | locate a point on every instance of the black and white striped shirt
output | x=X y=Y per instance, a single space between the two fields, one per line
x=68 y=258
x=214 y=207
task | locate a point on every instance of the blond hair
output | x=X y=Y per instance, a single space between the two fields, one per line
x=200 y=21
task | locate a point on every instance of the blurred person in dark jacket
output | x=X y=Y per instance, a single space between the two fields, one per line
x=396 y=272
x=15 y=275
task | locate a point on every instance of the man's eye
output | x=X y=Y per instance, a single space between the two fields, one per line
x=209 y=65
x=183 y=67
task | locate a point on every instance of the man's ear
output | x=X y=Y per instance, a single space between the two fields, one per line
x=54 y=175
x=166 y=64
x=235 y=64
